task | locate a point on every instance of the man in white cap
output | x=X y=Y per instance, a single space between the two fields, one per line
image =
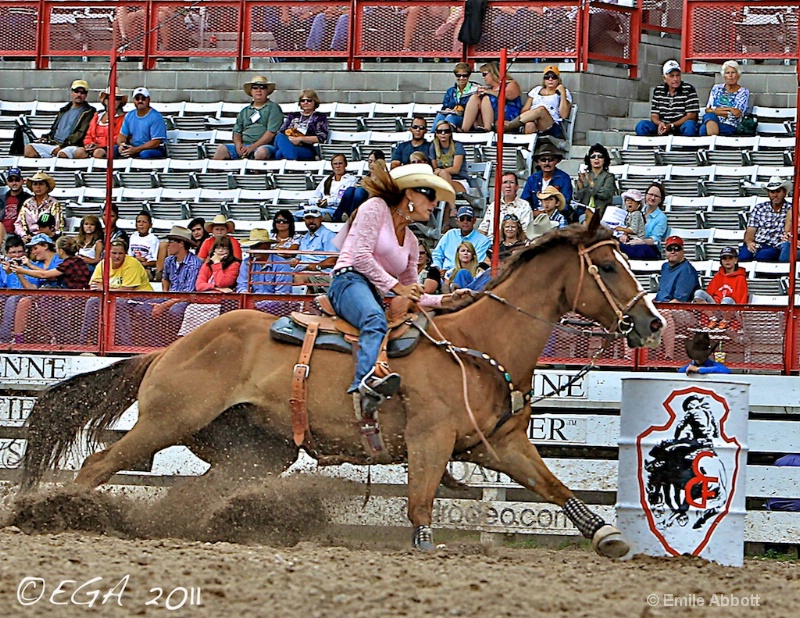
x=256 y=125
x=765 y=231
x=144 y=132
x=315 y=268
x=675 y=107
x=69 y=127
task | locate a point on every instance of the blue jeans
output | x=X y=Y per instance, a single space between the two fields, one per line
x=641 y=252
x=315 y=36
x=352 y=198
x=282 y=148
x=785 y=249
x=648 y=127
x=453 y=119
x=764 y=254
x=358 y=302
x=724 y=129
x=151 y=153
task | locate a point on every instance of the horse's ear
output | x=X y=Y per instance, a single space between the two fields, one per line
x=593 y=223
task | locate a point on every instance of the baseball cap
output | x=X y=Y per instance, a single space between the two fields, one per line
x=311 y=211
x=466 y=211
x=728 y=251
x=552 y=69
x=46 y=220
x=14 y=171
x=79 y=83
x=39 y=239
x=142 y=91
x=670 y=66
x=674 y=240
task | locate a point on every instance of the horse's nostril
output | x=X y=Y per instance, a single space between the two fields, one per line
x=655 y=326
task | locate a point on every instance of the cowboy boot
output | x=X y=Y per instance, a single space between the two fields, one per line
x=514 y=125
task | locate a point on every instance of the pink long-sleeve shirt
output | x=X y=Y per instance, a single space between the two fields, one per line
x=371 y=248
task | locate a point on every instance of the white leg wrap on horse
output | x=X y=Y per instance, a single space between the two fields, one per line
x=585 y=521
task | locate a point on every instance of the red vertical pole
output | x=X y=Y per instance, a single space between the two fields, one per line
x=43 y=36
x=789 y=339
x=686 y=41
x=498 y=172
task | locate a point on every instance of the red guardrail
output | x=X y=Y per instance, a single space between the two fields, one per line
x=662 y=15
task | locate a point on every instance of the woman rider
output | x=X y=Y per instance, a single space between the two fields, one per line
x=378 y=256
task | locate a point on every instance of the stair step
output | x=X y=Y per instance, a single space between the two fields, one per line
x=624 y=124
x=609 y=139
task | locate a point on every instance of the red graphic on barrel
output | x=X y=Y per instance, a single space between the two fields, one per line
x=685 y=485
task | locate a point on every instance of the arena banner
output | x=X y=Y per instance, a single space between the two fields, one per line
x=682 y=468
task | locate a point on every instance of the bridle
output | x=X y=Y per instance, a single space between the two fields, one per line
x=624 y=323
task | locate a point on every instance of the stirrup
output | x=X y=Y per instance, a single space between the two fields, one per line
x=379 y=389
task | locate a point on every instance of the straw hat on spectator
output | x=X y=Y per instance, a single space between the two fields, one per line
x=416 y=175
x=41 y=177
x=178 y=232
x=220 y=220
x=258 y=236
x=552 y=191
x=121 y=99
x=258 y=79
x=540 y=225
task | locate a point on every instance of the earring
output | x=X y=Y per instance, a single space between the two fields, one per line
x=411 y=207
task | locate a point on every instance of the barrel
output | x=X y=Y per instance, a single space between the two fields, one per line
x=682 y=467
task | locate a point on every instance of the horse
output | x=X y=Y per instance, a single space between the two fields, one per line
x=223 y=390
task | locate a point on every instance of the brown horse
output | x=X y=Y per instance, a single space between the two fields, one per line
x=224 y=389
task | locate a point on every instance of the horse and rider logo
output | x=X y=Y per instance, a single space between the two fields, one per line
x=688 y=479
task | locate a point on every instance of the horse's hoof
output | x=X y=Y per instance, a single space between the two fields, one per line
x=608 y=542
x=423 y=538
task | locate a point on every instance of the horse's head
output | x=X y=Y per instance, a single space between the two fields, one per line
x=607 y=291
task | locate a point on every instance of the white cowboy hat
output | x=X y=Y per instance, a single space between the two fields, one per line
x=416 y=175
x=540 y=225
x=776 y=182
x=258 y=79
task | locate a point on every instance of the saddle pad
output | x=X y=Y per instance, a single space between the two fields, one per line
x=288 y=331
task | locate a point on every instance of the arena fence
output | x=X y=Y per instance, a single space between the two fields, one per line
x=662 y=16
x=351 y=31
x=576 y=432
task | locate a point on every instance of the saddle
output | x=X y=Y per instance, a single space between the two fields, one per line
x=330 y=332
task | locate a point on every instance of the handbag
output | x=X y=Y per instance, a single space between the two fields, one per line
x=748 y=125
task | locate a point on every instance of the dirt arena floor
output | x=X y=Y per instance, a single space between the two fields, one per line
x=268 y=551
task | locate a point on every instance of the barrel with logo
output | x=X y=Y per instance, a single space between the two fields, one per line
x=682 y=463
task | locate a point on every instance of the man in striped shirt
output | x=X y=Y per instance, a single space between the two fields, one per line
x=675 y=107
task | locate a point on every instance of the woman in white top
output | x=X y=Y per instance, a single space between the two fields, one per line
x=546 y=108
x=330 y=190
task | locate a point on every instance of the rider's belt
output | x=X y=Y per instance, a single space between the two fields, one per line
x=341 y=271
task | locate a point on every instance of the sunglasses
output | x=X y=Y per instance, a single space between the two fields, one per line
x=461 y=74
x=281 y=221
x=511 y=218
x=596 y=155
x=418 y=127
x=258 y=87
x=551 y=76
x=427 y=192
x=79 y=91
x=14 y=179
x=443 y=131
x=306 y=100
x=465 y=218
x=484 y=73
x=674 y=248
x=139 y=97
x=546 y=159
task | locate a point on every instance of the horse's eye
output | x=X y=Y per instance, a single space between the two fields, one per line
x=607 y=268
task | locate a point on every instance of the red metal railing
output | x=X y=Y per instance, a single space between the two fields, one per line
x=662 y=15
x=351 y=30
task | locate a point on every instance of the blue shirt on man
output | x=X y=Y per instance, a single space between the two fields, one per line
x=403 y=151
x=534 y=185
x=319 y=240
x=141 y=129
x=677 y=282
x=444 y=255
x=182 y=276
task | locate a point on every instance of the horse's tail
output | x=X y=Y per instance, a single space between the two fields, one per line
x=96 y=399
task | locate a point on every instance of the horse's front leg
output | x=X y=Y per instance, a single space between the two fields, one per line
x=520 y=460
x=429 y=450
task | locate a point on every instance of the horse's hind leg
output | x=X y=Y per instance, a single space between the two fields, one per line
x=520 y=460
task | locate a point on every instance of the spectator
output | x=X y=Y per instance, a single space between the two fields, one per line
x=256 y=273
x=765 y=231
x=726 y=103
x=419 y=157
x=785 y=504
x=466 y=268
x=90 y=241
x=12 y=198
x=41 y=185
x=69 y=127
x=197 y=227
x=68 y=271
x=674 y=108
x=43 y=258
x=285 y=237
x=655 y=227
x=547 y=159
x=444 y=255
x=403 y=151
x=483 y=104
x=96 y=139
x=116 y=233
x=317 y=238
x=429 y=277
x=595 y=187
x=126 y=272
x=332 y=187
x=546 y=108
x=512 y=237
x=46 y=224
x=553 y=205
x=221 y=268
x=354 y=196
x=699 y=349
x=219 y=226
x=634 y=221
x=679 y=279
x=256 y=125
x=144 y=133
x=510 y=204
x=729 y=285
x=447 y=159
x=300 y=131
x=320 y=24
x=457 y=96
x=15 y=252
x=143 y=243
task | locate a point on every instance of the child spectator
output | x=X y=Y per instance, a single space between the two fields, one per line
x=90 y=241
x=46 y=224
x=699 y=348
x=729 y=285
x=219 y=226
x=634 y=221
x=197 y=227
x=115 y=232
x=553 y=202
x=466 y=268
x=221 y=268
x=70 y=272
x=143 y=243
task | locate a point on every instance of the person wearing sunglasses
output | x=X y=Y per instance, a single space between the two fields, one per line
x=300 y=131
x=481 y=110
x=444 y=254
x=144 y=131
x=547 y=159
x=69 y=126
x=256 y=124
x=679 y=279
x=595 y=186
x=447 y=158
x=379 y=255
x=401 y=155
x=546 y=108
x=12 y=197
x=457 y=96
